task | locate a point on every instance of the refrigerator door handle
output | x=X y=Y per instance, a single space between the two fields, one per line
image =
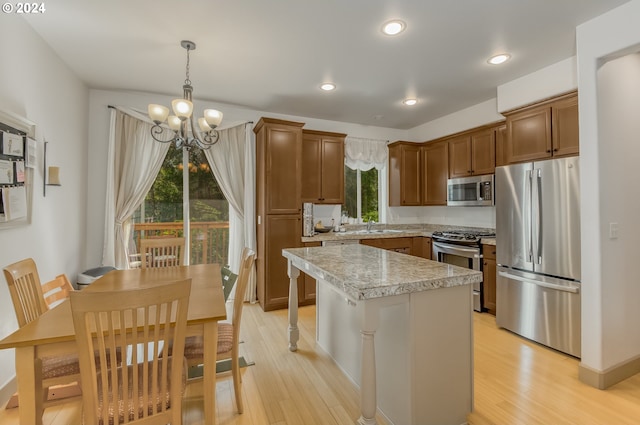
x=572 y=289
x=539 y=226
x=529 y=230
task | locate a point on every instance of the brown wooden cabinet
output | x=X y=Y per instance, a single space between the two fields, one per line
x=405 y=173
x=307 y=292
x=543 y=130
x=322 y=167
x=501 y=140
x=489 y=277
x=401 y=245
x=278 y=206
x=435 y=160
x=472 y=153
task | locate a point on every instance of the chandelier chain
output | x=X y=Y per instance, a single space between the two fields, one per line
x=188 y=80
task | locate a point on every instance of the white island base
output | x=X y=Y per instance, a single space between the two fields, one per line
x=410 y=354
x=423 y=348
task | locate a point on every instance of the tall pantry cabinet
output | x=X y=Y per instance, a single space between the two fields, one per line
x=278 y=206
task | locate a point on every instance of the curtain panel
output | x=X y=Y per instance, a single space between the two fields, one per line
x=134 y=160
x=365 y=154
x=232 y=162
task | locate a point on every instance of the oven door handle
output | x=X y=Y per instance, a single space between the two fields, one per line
x=457 y=250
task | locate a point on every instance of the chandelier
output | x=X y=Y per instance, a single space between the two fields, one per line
x=182 y=131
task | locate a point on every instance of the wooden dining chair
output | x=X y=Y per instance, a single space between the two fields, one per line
x=161 y=252
x=29 y=303
x=57 y=290
x=148 y=388
x=228 y=333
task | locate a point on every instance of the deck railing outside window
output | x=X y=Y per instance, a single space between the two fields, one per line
x=209 y=240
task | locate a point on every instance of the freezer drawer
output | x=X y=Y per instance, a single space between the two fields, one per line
x=543 y=309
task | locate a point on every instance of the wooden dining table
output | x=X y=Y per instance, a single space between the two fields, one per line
x=53 y=332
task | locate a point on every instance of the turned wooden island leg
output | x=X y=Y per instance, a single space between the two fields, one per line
x=368 y=402
x=294 y=332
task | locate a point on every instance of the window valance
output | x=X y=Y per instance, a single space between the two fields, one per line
x=365 y=154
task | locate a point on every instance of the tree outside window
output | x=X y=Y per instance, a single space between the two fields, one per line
x=361 y=194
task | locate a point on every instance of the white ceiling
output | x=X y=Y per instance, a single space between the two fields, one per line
x=272 y=55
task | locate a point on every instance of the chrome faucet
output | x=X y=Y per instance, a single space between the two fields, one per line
x=369 y=224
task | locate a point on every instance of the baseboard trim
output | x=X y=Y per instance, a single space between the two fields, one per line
x=8 y=390
x=610 y=376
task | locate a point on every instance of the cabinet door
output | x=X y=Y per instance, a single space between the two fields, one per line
x=565 y=127
x=483 y=152
x=332 y=172
x=489 y=277
x=401 y=245
x=436 y=172
x=529 y=135
x=283 y=152
x=501 y=140
x=311 y=168
x=410 y=170
x=460 y=157
x=282 y=231
x=307 y=290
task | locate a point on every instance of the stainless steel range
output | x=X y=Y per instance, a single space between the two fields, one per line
x=463 y=249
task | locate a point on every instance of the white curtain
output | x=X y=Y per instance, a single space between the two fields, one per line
x=134 y=160
x=232 y=161
x=365 y=154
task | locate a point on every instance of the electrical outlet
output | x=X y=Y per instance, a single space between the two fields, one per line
x=613 y=230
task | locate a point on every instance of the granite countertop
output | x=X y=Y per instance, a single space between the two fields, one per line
x=397 y=231
x=363 y=272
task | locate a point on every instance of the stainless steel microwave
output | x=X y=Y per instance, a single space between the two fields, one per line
x=471 y=191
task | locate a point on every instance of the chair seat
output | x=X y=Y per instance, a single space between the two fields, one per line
x=136 y=406
x=55 y=367
x=194 y=345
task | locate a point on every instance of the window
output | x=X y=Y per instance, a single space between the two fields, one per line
x=362 y=194
x=161 y=214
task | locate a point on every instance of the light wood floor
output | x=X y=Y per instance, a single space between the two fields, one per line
x=516 y=382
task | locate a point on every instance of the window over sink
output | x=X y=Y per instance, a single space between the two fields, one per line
x=362 y=194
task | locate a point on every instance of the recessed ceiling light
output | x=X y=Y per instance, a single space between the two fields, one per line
x=394 y=27
x=498 y=59
x=410 y=102
x=328 y=86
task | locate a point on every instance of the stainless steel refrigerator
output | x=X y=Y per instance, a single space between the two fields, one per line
x=538 y=251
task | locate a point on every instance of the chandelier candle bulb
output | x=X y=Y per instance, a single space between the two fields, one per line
x=174 y=123
x=182 y=108
x=158 y=113
x=213 y=117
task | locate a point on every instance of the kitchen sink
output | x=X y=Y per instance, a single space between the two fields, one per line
x=369 y=232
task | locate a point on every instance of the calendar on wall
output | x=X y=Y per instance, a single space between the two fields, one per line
x=17 y=161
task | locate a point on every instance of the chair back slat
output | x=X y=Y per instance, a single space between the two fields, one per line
x=56 y=290
x=25 y=290
x=141 y=323
x=162 y=252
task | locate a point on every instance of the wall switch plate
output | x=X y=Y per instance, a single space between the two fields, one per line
x=613 y=230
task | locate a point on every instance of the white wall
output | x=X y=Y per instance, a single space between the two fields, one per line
x=608 y=147
x=36 y=85
x=98 y=139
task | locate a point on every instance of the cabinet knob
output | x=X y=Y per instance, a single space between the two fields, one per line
x=555 y=150
x=548 y=150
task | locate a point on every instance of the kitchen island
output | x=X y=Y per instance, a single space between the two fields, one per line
x=420 y=313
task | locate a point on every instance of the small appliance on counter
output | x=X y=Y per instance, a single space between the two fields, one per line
x=307 y=219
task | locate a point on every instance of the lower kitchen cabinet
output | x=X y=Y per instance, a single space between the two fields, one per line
x=307 y=284
x=426 y=247
x=401 y=245
x=489 y=277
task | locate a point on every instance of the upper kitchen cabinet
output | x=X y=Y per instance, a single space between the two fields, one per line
x=501 y=141
x=279 y=171
x=473 y=153
x=435 y=162
x=543 y=130
x=322 y=167
x=405 y=174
